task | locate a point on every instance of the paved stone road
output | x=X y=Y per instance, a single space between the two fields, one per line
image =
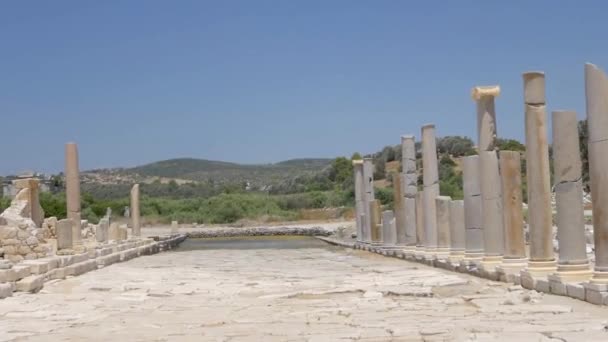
x=305 y=294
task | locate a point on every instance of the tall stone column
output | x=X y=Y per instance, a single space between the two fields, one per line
x=515 y=247
x=431 y=186
x=410 y=190
x=596 y=89
x=457 y=230
x=359 y=198
x=399 y=209
x=542 y=259
x=135 y=214
x=376 y=223
x=573 y=264
x=368 y=187
x=442 y=203
x=472 y=210
x=489 y=175
x=420 y=238
x=72 y=191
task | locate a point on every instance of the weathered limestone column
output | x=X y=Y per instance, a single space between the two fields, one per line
x=472 y=210
x=596 y=91
x=515 y=247
x=573 y=264
x=72 y=190
x=101 y=232
x=542 y=259
x=399 y=209
x=376 y=223
x=368 y=187
x=420 y=248
x=431 y=186
x=389 y=230
x=114 y=232
x=457 y=230
x=486 y=115
x=123 y=232
x=64 y=234
x=135 y=215
x=410 y=190
x=442 y=203
x=359 y=195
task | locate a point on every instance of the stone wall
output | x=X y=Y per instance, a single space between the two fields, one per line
x=22 y=243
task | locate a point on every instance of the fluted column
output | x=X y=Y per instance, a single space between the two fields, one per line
x=472 y=209
x=359 y=198
x=596 y=91
x=410 y=189
x=542 y=259
x=442 y=204
x=135 y=215
x=457 y=230
x=515 y=247
x=431 y=186
x=368 y=187
x=573 y=264
x=72 y=191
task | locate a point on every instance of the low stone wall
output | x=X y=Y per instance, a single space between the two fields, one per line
x=30 y=275
x=270 y=231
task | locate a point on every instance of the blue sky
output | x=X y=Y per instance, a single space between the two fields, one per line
x=263 y=81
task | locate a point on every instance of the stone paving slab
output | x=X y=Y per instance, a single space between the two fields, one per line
x=308 y=294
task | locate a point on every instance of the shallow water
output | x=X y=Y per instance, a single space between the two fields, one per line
x=253 y=242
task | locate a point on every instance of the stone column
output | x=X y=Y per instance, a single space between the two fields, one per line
x=64 y=234
x=573 y=264
x=101 y=232
x=368 y=187
x=431 y=186
x=513 y=219
x=399 y=209
x=486 y=115
x=596 y=91
x=72 y=190
x=542 y=259
x=457 y=230
x=135 y=215
x=410 y=190
x=359 y=195
x=376 y=223
x=442 y=203
x=114 y=232
x=420 y=248
x=389 y=230
x=472 y=210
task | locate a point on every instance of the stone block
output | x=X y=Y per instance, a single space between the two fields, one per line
x=18 y=272
x=31 y=284
x=81 y=267
x=542 y=285
x=6 y=290
x=557 y=287
x=596 y=293
x=108 y=260
x=576 y=291
x=58 y=273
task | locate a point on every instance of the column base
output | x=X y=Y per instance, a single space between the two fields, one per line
x=487 y=266
x=408 y=251
x=599 y=278
x=534 y=276
x=388 y=250
x=456 y=256
x=442 y=253
x=596 y=293
x=573 y=273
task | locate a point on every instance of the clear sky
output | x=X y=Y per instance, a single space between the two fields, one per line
x=262 y=81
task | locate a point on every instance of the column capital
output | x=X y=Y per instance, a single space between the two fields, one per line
x=481 y=91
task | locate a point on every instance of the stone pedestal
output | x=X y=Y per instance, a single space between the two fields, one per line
x=472 y=210
x=64 y=234
x=389 y=231
x=431 y=186
x=457 y=231
x=123 y=232
x=114 y=232
x=359 y=198
x=573 y=264
x=542 y=259
x=514 y=259
x=174 y=227
x=596 y=91
x=368 y=188
x=72 y=190
x=135 y=215
x=101 y=232
x=410 y=190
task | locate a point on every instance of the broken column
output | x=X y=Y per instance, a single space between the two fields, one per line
x=174 y=227
x=572 y=264
x=490 y=186
x=64 y=234
x=399 y=209
x=431 y=186
x=419 y=225
x=472 y=209
x=542 y=259
x=513 y=219
x=101 y=232
x=368 y=188
x=114 y=233
x=596 y=91
x=410 y=190
x=389 y=230
x=359 y=203
x=72 y=190
x=376 y=223
x=135 y=215
x=457 y=230
x=442 y=205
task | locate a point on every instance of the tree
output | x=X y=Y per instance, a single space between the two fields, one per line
x=510 y=145
x=456 y=146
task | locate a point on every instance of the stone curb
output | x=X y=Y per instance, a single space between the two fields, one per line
x=30 y=275
x=578 y=291
x=264 y=231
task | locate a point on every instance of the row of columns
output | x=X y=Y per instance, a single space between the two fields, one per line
x=486 y=228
